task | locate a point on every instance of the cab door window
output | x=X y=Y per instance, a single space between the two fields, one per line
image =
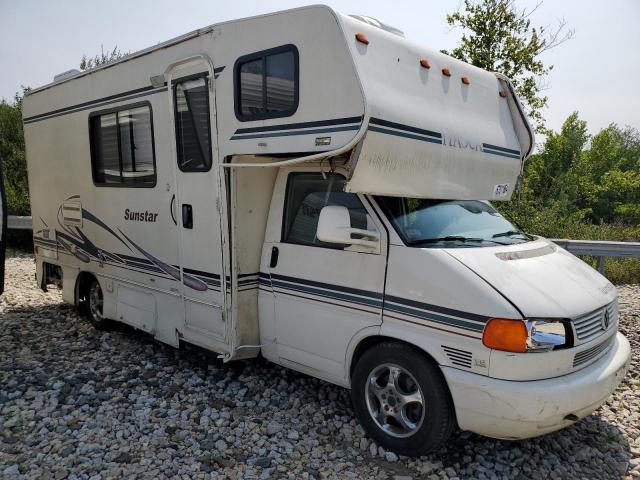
x=307 y=194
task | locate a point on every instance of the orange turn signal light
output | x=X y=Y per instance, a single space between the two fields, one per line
x=424 y=63
x=362 y=38
x=505 y=334
x=446 y=72
x=502 y=93
x=466 y=80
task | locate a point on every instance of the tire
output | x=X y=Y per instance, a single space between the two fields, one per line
x=414 y=414
x=93 y=306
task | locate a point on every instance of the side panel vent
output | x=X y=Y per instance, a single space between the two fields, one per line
x=72 y=213
x=460 y=358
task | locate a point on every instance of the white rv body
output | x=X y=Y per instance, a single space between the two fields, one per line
x=369 y=115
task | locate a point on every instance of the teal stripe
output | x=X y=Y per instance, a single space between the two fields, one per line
x=502 y=154
x=434 y=317
x=329 y=294
x=297 y=132
x=374 y=128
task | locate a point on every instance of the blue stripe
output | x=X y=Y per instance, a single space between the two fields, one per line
x=328 y=294
x=408 y=128
x=437 y=308
x=96 y=103
x=406 y=135
x=328 y=286
x=297 y=132
x=501 y=149
x=434 y=317
x=502 y=154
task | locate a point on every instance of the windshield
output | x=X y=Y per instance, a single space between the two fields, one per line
x=449 y=223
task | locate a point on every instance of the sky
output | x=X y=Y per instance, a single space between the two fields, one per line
x=595 y=73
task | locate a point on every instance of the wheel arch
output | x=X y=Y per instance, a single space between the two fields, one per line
x=367 y=342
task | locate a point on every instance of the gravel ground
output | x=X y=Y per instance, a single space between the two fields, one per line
x=78 y=403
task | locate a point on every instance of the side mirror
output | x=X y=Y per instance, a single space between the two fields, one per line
x=334 y=226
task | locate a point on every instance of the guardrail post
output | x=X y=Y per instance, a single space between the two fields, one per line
x=600 y=265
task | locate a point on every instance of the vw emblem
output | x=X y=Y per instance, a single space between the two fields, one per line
x=605 y=320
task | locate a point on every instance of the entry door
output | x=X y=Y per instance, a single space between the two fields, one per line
x=197 y=209
x=324 y=294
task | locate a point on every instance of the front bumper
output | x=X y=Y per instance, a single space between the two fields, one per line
x=515 y=410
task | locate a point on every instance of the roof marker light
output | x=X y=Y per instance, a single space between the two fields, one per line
x=502 y=93
x=446 y=72
x=466 y=80
x=362 y=38
x=424 y=63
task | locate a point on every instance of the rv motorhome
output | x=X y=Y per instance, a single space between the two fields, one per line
x=315 y=188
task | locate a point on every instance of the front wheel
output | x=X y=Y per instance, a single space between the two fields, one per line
x=401 y=399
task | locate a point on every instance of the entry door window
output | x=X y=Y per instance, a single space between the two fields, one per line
x=193 y=140
x=307 y=194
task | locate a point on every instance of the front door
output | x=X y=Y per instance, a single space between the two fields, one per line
x=324 y=293
x=197 y=208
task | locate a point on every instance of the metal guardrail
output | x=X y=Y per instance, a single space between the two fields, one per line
x=596 y=248
x=600 y=249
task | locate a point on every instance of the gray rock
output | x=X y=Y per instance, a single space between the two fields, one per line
x=76 y=404
x=391 y=457
x=273 y=428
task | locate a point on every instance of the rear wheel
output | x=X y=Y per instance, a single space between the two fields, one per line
x=94 y=305
x=401 y=399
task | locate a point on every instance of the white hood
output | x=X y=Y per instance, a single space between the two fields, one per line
x=539 y=278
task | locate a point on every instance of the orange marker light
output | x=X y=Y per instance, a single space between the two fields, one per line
x=503 y=94
x=446 y=72
x=505 y=334
x=362 y=38
x=466 y=80
x=424 y=63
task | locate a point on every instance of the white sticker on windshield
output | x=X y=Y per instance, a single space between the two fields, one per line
x=500 y=190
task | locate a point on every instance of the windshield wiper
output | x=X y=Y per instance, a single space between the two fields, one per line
x=511 y=233
x=449 y=238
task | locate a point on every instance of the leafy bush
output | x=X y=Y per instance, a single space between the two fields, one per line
x=12 y=153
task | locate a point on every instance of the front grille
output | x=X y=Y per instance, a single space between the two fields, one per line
x=583 y=357
x=458 y=357
x=590 y=325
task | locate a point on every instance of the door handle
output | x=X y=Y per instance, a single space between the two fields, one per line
x=187 y=216
x=171 y=208
x=274 y=257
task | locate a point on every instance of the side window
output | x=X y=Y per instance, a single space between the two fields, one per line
x=193 y=137
x=266 y=84
x=307 y=194
x=122 y=152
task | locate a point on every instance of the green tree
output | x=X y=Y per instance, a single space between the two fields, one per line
x=499 y=37
x=607 y=176
x=103 y=58
x=12 y=153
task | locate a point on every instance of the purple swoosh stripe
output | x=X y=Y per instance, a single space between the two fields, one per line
x=188 y=280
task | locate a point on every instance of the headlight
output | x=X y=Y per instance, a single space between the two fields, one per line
x=532 y=335
x=545 y=334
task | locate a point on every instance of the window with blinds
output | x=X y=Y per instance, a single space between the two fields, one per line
x=122 y=151
x=193 y=140
x=266 y=84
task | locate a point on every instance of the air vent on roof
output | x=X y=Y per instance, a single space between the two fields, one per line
x=65 y=75
x=379 y=24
